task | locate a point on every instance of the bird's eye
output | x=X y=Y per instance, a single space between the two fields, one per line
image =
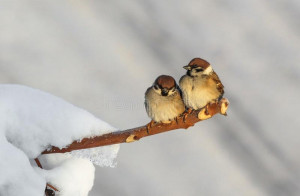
x=156 y=87
x=199 y=70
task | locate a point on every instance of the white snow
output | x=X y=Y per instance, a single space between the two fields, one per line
x=102 y=156
x=32 y=121
x=16 y=174
x=71 y=176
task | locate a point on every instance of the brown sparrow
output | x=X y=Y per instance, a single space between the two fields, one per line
x=163 y=100
x=201 y=85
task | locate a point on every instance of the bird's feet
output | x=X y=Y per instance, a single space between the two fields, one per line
x=189 y=110
x=149 y=125
x=206 y=109
x=176 y=119
x=186 y=113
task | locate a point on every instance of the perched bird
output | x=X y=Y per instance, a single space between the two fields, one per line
x=163 y=100
x=201 y=85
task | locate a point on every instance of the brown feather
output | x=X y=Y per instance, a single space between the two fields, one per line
x=165 y=81
x=199 y=63
x=220 y=86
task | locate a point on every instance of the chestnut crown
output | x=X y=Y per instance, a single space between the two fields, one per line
x=165 y=81
x=198 y=62
x=198 y=67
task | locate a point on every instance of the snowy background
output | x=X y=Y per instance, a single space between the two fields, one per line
x=102 y=55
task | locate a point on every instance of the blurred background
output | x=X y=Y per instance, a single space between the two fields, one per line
x=102 y=55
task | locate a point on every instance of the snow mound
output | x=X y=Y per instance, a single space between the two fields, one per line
x=17 y=177
x=71 y=176
x=33 y=121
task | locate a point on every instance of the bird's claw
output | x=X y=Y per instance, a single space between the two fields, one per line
x=149 y=125
x=185 y=116
x=186 y=113
x=206 y=110
x=176 y=119
x=189 y=110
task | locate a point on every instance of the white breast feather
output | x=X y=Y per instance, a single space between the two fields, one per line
x=196 y=93
x=163 y=109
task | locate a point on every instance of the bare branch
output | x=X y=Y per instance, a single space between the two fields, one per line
x=135 y=134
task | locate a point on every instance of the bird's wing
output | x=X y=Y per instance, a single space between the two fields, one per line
x=146 y=103
x=218 y=82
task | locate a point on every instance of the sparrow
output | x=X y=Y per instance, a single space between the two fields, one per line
x=163 y=100
x=201 y=85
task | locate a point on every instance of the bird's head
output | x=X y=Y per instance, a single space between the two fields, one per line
x=164 y=85
x=198 y=67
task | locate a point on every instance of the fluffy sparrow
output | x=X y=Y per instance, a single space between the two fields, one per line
x=163 y=100
x=201 y=85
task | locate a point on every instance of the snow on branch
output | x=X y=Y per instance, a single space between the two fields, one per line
x=131 y=135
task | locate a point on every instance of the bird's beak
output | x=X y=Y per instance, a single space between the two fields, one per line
x=187 y=67
x=164 y=92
